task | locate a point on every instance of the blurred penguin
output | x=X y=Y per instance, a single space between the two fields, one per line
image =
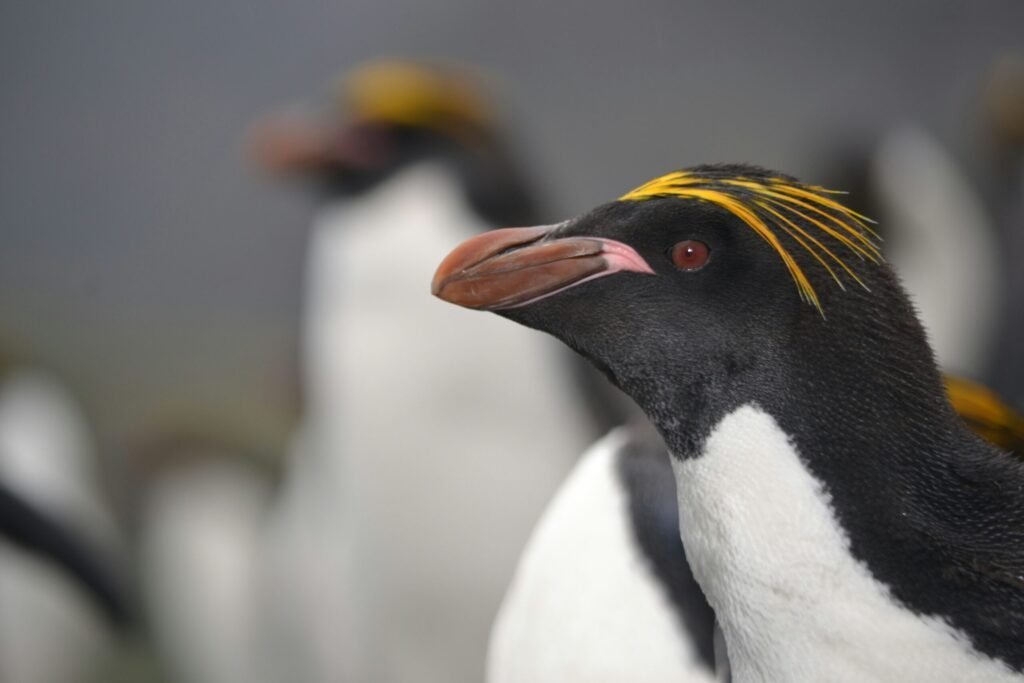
x=1004 y=137
x=938 y=236
x=942 y=243
x=202 y=510
x=955 y=231
x=60 y=597
x=397 y=465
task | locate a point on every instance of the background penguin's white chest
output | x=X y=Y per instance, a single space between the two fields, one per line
x=368 y=277
x=794 y=604
x=449 y=430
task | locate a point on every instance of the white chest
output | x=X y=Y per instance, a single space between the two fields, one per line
x=794 y=604
x=584 y=605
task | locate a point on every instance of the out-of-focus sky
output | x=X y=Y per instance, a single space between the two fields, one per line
x=144 y=261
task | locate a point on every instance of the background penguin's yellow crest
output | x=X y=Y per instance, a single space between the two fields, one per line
x=404 y=93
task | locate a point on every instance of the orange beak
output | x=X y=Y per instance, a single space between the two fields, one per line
x=294 y=144
x=518 y=266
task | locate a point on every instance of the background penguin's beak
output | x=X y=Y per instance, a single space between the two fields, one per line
x=286 y=144
x=518 y=266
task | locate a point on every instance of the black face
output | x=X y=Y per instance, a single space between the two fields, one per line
x=705 y=317
x=717 y=294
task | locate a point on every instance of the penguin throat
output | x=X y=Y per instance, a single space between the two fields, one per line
x=706 y=393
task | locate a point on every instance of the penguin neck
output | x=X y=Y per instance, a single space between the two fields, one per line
x=860 y=399
x=815 y=494
x=861 y=381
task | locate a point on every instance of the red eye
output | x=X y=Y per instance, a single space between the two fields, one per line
x=690 y=255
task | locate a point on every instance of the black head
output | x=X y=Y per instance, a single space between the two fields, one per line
x=705 y=288
x=386 y=116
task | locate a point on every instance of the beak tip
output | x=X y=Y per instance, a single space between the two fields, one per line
x=440 y=279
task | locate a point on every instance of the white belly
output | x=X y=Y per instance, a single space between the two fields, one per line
x=448 y=430
x=584 y=605
x=775 y=564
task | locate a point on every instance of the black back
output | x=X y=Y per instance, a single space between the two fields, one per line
x=36 y=532
x=935 y=513
x=645 y=471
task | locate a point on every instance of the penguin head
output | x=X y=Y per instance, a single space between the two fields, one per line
x=387 y=115
x=714 y=280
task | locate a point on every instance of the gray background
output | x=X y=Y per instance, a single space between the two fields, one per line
x=144 y=261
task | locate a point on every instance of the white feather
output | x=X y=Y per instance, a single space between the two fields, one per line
x=46 y=454
x=775 y=563
x=201 y=564
x=584 y=605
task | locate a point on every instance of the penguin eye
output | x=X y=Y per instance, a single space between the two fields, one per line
x=690 y=255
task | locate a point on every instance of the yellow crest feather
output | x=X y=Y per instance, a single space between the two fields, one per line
x=412 y=94
x=772 y=206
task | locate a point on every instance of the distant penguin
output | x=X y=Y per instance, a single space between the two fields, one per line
x=202 y=546
x=423 y=531
x=924 y=201
x=60 y=589
x=941 y=242
x=1004 y=138
x=840 y=517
